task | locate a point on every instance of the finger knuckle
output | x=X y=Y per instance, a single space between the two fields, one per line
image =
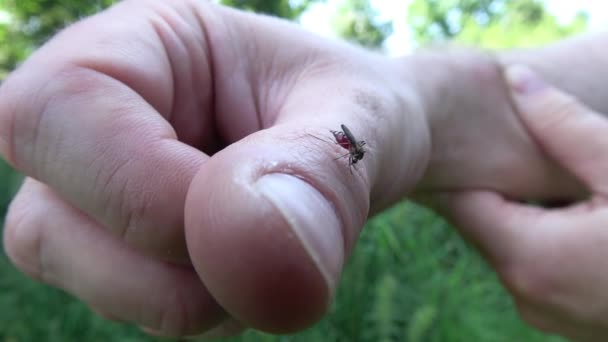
x=29 y=108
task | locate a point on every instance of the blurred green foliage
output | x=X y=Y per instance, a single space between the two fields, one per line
x=411 y=277
x=9 y=181
x=25 y=24
x=357 y=21
x=279 y=8
x=489 y=23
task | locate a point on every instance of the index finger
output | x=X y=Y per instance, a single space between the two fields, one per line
x=111 y=114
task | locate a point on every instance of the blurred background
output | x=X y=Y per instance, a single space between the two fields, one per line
x=411 y=277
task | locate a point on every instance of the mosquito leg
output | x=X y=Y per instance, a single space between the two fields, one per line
x=342 y=156
x=323 y=140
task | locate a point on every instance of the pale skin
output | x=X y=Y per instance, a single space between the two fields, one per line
x=115 y=120
x=552 y=260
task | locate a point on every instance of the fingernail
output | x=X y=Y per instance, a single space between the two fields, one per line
x=523 y=80
x=311 y=217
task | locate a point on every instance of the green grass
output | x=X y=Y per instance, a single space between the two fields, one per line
x=411 y=278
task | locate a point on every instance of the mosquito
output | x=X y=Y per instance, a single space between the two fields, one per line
x=347 y=140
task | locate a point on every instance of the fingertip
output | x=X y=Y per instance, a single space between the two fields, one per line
x=266 y=247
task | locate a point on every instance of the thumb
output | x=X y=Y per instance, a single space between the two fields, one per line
x=269 y=221
x=573 y=135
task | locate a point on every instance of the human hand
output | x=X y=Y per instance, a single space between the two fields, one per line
x=551 y=260
x=154 y=116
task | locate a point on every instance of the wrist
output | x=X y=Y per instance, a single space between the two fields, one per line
x=461 y=91
x=428 y=137
x=478 y=141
